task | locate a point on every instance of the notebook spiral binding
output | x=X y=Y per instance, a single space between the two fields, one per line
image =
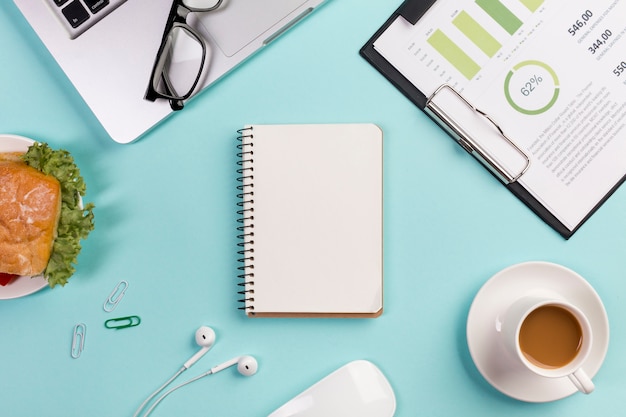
x=246 y=217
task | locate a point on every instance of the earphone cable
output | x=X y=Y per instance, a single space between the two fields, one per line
x=162 y=397
x=155 y=393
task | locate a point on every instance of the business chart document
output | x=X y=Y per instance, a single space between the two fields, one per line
x=550 y=73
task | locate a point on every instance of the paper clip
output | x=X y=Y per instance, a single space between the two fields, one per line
x=122 y=322
x=78 y=340
x=116 y=296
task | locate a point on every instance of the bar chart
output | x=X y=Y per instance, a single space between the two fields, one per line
x=482 y=26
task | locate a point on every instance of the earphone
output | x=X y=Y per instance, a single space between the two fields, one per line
x=205 y=338
x=246 y=366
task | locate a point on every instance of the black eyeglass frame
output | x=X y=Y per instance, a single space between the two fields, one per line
x=177 y=18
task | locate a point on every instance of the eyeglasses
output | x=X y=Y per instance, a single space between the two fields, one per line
x=180 y=61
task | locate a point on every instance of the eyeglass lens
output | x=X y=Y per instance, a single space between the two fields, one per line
x=201 y=5
x=180 y=64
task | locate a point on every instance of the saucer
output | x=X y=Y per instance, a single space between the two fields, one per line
x=496 y=363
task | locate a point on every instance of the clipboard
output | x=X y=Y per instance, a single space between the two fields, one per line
x=412 y=11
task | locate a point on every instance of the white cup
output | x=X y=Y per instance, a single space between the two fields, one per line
x=512 y=322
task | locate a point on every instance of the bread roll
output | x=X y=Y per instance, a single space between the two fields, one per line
x=30 y=206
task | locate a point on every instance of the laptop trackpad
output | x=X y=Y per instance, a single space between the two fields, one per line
x=238 y=22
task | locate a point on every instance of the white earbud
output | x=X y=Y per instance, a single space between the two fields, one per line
x=246 y=365
x=205 y=337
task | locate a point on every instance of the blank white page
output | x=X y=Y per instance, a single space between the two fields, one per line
x=318 y=220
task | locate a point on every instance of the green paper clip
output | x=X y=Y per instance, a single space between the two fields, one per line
x=122 y=322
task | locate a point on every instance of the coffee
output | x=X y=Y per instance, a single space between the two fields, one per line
x=550 y=337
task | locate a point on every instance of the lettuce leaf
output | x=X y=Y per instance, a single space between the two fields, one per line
x=75 y=222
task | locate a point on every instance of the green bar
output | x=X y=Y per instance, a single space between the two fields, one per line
x=532 y=5
x=455 y=55
x=500 y=14
x=476 y=33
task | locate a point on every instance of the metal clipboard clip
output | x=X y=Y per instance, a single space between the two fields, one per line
x=468 y=143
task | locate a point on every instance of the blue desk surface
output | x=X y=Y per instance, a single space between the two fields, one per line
x=166 y=223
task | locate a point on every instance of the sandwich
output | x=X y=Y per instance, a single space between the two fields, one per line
x=42 y=218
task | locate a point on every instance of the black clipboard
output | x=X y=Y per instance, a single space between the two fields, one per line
x=412 y=11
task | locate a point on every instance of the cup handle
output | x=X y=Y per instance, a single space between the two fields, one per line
x=582 y=382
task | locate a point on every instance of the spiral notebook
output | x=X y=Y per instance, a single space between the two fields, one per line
x=311 y=220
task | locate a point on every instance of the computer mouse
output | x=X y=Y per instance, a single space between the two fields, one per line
x=358 y=388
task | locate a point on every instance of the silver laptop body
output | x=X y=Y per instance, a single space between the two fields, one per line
x=110 y=62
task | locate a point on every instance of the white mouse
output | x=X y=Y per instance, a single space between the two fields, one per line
x=358 y=388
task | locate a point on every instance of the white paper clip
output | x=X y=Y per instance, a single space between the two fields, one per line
x=78 y=340
x=116 y=296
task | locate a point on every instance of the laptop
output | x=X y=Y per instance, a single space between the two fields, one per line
x=109 y=59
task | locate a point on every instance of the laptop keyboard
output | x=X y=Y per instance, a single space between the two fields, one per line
x=79 y=15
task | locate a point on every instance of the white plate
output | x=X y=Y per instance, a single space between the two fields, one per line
x=495 y=362
x=21 y=286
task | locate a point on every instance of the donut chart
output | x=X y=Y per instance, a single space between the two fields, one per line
x=531 y=87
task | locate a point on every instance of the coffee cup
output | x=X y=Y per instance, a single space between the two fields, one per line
x=550 y=337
